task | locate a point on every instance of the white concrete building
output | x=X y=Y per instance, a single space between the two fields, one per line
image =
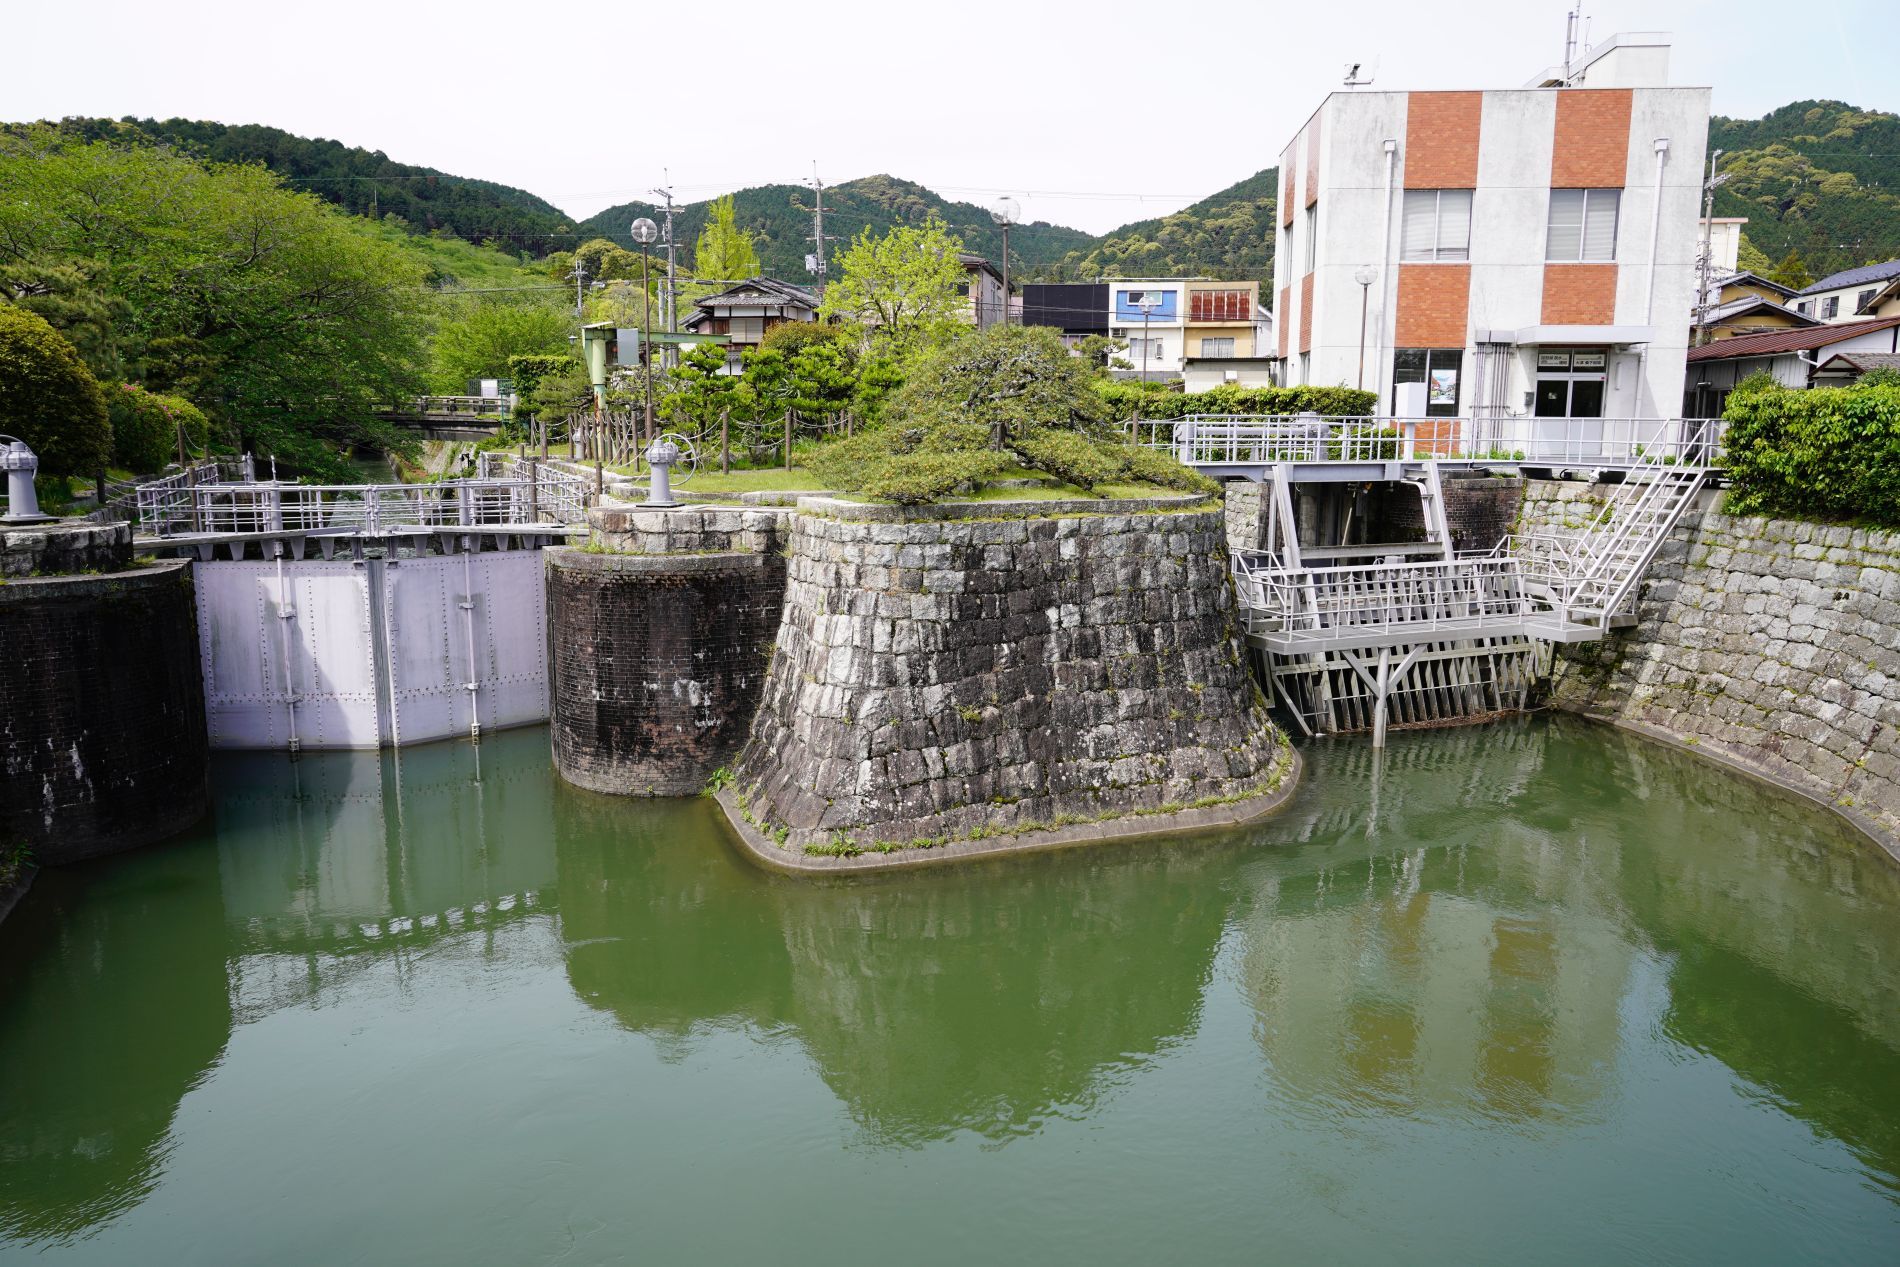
x=1526 y=251
x=1848 y=295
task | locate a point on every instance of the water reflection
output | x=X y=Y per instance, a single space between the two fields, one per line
x=1485 y=926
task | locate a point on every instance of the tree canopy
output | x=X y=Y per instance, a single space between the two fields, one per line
x=49 y=398
x=983 y=403
x=285 y=320
x=906 y=285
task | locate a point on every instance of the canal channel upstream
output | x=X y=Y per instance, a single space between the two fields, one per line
x=1535 y=991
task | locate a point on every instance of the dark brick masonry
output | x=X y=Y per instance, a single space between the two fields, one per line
x=102 y=726
x=1481 y=512
x=658 y=664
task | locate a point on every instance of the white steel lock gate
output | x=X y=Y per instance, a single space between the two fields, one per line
x=307 y=653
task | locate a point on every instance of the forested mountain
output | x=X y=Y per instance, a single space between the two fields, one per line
x=1228 y=236
x=366 y=182
x=1816 y=179
x=779 y=217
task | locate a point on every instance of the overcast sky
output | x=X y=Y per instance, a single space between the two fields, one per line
x=1092 y=112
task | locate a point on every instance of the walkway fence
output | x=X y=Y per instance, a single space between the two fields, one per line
x=1242 y=440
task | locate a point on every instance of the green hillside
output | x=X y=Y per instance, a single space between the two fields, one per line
x=1817 y=178
x=779 y=218
x=1228 y=235
x=366 y=182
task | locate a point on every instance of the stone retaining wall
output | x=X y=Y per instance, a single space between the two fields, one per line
x=64 y=547
x=1770 y=644
x=102 y=724
x=954 y=672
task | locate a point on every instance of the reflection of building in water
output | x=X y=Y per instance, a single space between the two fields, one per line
x=1378 y=985
x=986 y=998
x=101 y=1036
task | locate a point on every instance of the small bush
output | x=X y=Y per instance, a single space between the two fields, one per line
x=1826 y=453
x=145 y=427
x=1134 y=400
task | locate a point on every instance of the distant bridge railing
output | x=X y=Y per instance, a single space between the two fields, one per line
x=471 y=407
x=1454 y=597
x=1258 y=440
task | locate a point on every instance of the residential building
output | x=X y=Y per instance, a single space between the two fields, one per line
x=1842 y=296
x=1844 y=369
x=982 y=291
x=746 y=311
x=1515 y=251
x=1793 y=357
x=1884 y=304
x=1075 y=309
x=1748 y=303
x=1724 y=236
x=1220 y=319
x=1150 y=314
x=1204 y=373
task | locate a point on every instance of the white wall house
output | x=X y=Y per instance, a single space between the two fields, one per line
x=1162 y=323
x=1842 y=296
x=1526 y=251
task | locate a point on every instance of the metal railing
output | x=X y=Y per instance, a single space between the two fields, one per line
x=563 y=494
x=1255 y=440
x=453 y=406
x=1447 y=596
x=367 y=510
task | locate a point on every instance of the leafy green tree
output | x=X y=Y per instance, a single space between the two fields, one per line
x=147 y=427
x=1791 y=271
x=68 y=294
x=724 y=252
x=286 y=320
x=606 y=261
x=702 y=390
x=478 y=340
x=1008 y=396
x=49 y=398
x=1749 y=259
x=906 y=286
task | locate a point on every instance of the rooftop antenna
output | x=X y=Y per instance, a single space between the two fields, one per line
x=1574 y=25
x=1353 y=79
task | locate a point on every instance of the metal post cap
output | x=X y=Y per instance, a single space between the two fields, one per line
x=15 y=456
x=663 y=452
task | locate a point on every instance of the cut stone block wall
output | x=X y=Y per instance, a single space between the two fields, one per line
x=102 y=724
x=1772 y=644
x=657 y=664
x=948 y=672
x=64 y=547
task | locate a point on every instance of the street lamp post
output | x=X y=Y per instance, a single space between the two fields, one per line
x=645 y=232
x=1365 y=275
x=1148 y=302
x=1005 y=213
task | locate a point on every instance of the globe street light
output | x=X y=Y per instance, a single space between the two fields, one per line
x=1365 y=275
x=646 y=233
x=1148 y=302
x=1006 y=212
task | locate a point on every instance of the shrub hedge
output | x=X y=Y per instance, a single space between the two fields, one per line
x=145 y=427
x=1130 y=400
x=49 y=398
x=1826 y=453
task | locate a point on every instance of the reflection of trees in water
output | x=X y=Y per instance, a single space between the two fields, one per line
x=118 y=1009
x=1462 y=942
x=980 y=998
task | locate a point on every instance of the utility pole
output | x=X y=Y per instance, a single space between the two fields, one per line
x=669 y=294
x=816 y=260
x=580 y=285
x=1705 y=254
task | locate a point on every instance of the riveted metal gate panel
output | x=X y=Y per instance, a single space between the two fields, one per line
x=313 y=654
x=466 y=644
x=287 y=654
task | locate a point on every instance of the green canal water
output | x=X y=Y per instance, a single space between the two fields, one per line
x=1532 y=992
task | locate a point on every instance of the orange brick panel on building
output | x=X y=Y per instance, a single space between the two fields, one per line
x=1434 y=301
x=1281 y=314
x=1579 y=294
x=1286 y=197
x=1312 y=162
x=1592 y=143
x=1441 y=139
x=1306 y=313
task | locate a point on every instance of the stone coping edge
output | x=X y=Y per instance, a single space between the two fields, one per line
x=771 y=856
x=937 y=512
x=574 y=559
x=25 y=589
x=1886 y=841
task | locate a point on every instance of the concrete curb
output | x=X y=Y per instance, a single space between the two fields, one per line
x=935 y=512
x=1887 y=842
x=1214 y=817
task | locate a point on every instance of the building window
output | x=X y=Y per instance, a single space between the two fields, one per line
x=1306 y=368
x=1582 y=225
x=1863 y=299
x=1436 y=225
x=1135 y=349
x=1312 y=237
x=1217 y=347
x=1437 y=368
x=1805 y=307
x=1830 y=307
